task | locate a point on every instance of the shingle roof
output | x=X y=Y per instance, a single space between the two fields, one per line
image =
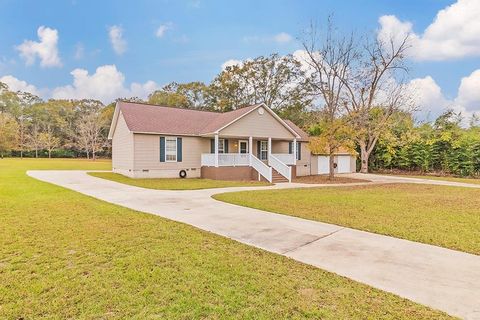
x=167 y=120
x=303 y=135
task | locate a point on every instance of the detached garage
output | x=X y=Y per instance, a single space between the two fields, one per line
x=344 y=163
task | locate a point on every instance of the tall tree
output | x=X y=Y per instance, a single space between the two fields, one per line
x=8 y=133
x=277 y=81
x=48 y=141
x=329 y=57
x=375 y=89
x=169 y=96
x=22 y=116
x=91 y=127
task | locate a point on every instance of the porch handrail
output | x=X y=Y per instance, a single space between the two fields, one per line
x=261 y=168
x=281 y=167
x=286 y=158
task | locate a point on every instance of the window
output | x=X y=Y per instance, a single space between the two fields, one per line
x=299 y=150
x=263 y=150
x=171 y=149
x=221 y=145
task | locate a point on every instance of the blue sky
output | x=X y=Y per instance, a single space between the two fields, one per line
x=198 y=36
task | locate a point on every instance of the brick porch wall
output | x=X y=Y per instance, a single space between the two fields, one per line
x=229 y=173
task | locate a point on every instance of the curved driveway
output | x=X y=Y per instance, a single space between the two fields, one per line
x=443 y=279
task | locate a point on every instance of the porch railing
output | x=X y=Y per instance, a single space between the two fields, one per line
x=226 y=159
x=285 y=157
x=280 y=167
x=208 y=159
x=262 y=168
x=233 y=159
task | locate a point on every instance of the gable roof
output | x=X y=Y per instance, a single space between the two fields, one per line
x=145 y=118
x=303 y=135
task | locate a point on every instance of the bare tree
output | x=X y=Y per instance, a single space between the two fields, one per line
x=375 y=89
x=33 y=138
x=90 y=127
x=48 y=141
x=329 y=58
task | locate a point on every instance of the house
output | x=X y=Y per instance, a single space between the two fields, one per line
x=250 y=143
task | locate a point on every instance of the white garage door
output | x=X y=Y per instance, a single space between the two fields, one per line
x=323 y=165
x=343 y=164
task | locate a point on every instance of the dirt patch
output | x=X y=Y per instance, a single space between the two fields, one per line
x=439 y=174
x=324 y=179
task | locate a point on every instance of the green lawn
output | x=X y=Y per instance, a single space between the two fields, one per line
x=66 y=255
x=454 y=179
x=176 y=184
x=438 y=215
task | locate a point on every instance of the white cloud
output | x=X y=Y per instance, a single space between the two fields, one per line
x=282 y=37
x=432 y=102
x=15 y=84
x=452 y=35
x=106 y=84
x=428 y=97
x=469 y=92
x=119 y=44
x=45 y=49
x=162 y=29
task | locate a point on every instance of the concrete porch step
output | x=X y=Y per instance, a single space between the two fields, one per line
x=277 y=177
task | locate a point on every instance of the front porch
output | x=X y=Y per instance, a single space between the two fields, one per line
x=250 y=158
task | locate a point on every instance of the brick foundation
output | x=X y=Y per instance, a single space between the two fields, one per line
x=229 y=173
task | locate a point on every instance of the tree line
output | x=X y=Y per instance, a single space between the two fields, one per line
x=31 y=127
x=347 y=91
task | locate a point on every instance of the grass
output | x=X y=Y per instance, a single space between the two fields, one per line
x=175 y=184
x=453 y=179
x=429 y=176
x=444 y=216
x=66 y=255
x=324 y=179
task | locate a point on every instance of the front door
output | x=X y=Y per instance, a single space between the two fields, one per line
x=243 y=146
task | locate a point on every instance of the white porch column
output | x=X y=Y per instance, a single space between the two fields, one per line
x=295 y=151
x=250 y=148
x=269 y=148
x=216 y=150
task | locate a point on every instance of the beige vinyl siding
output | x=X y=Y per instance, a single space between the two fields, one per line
x=279 y=146
x=256 y=125
x=122 y=145
x=304 y=164
x=232 y=145
x=147 y=153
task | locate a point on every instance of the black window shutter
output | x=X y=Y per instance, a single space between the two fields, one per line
x=258 y=150
x=162 y=149
x=299 y=151
x=212 y=145
x=226 y=146
x=179 y=149
x=290 y=147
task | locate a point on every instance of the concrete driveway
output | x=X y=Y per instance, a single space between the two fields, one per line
x=443 y=279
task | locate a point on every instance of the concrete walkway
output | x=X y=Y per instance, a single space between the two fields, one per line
x=443 y=279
